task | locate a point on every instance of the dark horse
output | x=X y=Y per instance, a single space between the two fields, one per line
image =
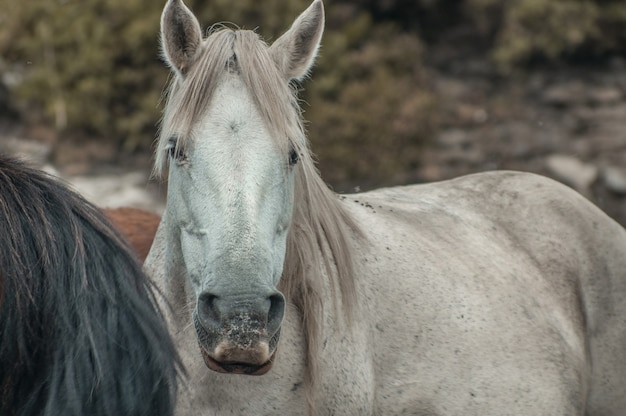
x=80 y=332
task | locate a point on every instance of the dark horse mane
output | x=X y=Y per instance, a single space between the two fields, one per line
x=80 y=330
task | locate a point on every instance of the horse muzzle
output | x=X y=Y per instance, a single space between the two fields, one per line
x=234 y=360
x=239 y=337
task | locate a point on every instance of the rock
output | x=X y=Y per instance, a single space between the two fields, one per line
x=605 y=96
x=575 y=93
x=566 y=94
x=51 y=170
x=452 y=138
x=615 y=179
x=573 y=172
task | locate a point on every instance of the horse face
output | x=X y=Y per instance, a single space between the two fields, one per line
x=231 y=182
x=230 y=197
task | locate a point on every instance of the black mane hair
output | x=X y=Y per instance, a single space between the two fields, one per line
x=80 y=331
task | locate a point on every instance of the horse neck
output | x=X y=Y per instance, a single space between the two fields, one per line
x=163 y=265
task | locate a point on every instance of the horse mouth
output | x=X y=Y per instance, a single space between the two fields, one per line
x=233 y=367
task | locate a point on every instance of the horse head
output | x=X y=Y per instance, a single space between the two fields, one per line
x=232 y=139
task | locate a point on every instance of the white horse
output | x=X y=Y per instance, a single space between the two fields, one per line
x=494 y=294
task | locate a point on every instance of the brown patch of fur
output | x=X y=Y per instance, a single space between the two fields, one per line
x=137 y=226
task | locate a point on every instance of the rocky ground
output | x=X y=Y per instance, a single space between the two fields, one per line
x=569 y=124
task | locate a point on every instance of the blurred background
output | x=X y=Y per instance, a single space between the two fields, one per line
x=403 y=91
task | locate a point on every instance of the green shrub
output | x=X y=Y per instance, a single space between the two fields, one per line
x=88 y=66
x=370 y=111
x=548 y=28
x=527 y=31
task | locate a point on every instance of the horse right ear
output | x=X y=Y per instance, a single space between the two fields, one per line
x=180 y=35
x=295 y=51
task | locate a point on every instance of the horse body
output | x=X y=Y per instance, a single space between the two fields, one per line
x=483 y=296
x=457 y=331
x=493 y=294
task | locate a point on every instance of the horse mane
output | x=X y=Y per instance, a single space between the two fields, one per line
x=317 y=244
x=81 y=332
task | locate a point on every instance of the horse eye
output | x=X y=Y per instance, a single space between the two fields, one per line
x=174 y=150
x=293 y=157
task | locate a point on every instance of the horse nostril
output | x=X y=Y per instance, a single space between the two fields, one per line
x=208 y=311
x=276 y=312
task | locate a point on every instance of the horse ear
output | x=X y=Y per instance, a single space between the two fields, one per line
x=295 y=51
x=180 y=35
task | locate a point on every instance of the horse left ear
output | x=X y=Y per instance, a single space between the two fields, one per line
x=180 y=35
x=295 y=51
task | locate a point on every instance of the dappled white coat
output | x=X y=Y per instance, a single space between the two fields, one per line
x=493 y=294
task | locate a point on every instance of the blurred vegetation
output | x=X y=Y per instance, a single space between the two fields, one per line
x=91 y=68
x=84 y=66
x=529 y=31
